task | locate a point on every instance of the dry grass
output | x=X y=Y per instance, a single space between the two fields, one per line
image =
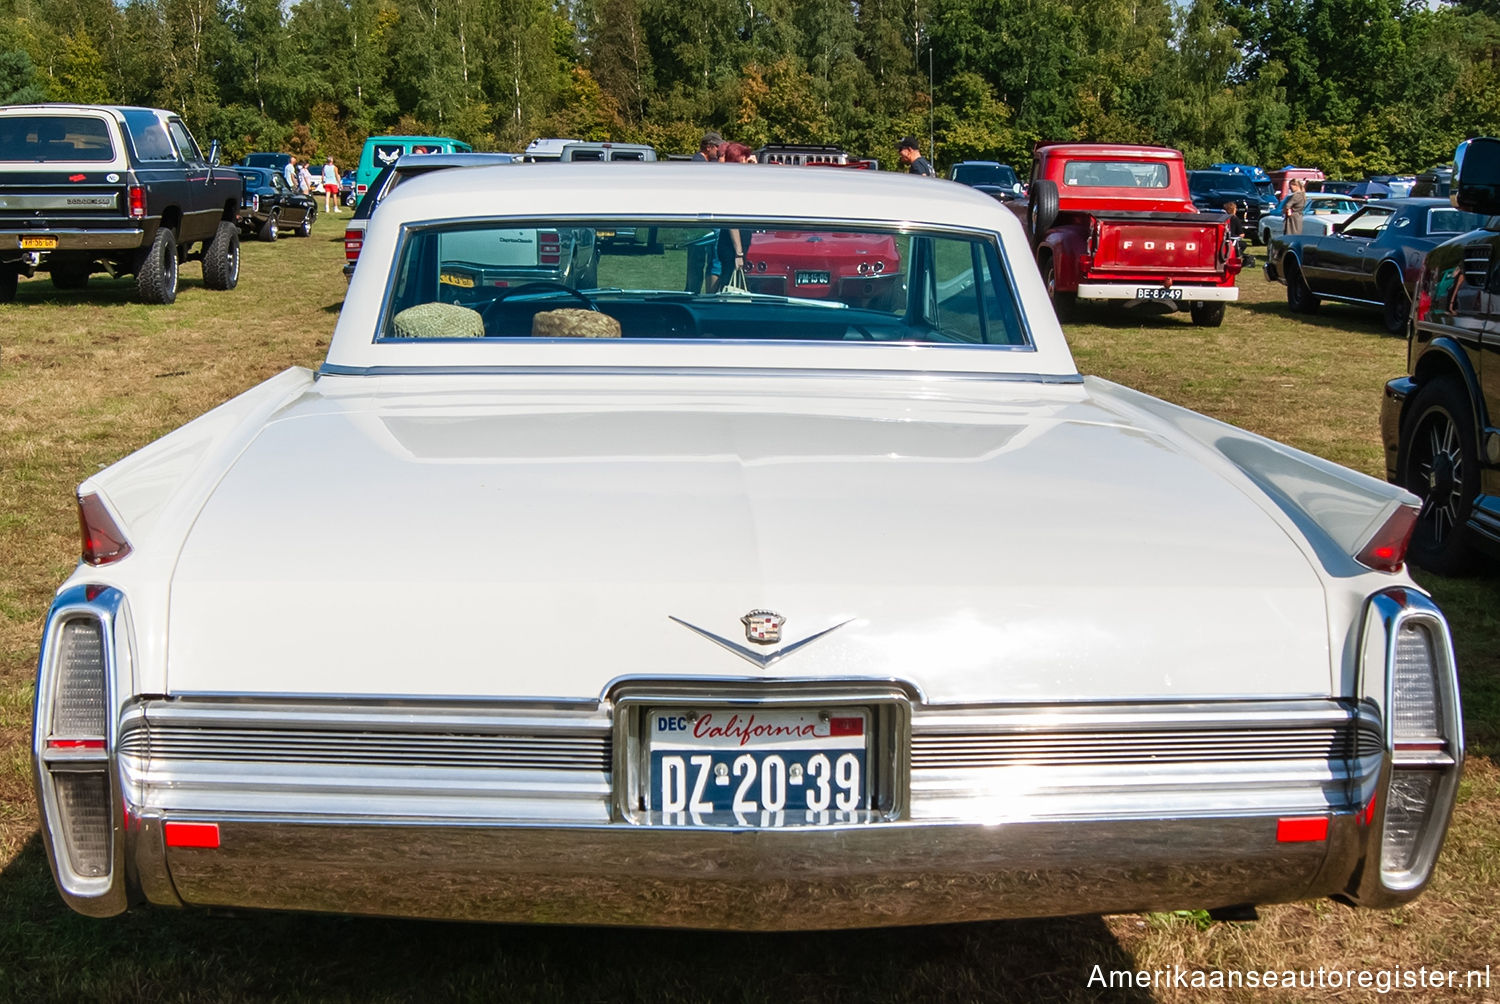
x=85 y=378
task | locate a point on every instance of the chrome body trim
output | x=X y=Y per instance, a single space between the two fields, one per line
x=73 y=239
x=1385 y=615
x=531 y=812
x=106 y=895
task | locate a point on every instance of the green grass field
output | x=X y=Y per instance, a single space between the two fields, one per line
x=87 y=377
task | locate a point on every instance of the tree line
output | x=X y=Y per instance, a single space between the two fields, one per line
x=1351 y=86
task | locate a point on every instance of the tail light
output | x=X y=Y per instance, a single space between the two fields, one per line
x=137 y=202
x=1408 y=638
x=1386 y=549
x=354 y=240
x=549 y=247
x=72 y=746
x=103 y=541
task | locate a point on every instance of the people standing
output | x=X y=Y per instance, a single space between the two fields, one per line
x=304 y=179
x=701 y=256
x=733 y=243
x=910 y=153
x=1296 y=204
x=290 y=172
x=330 y=185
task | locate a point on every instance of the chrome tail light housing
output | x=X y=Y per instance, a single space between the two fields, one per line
x=85 y=647
x=1409 y=685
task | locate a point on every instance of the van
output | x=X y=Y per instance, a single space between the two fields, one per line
x=579 y=152
x=382 y=151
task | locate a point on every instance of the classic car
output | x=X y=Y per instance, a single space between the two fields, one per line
x=1212 y=190
x=749 y=611
x=991 y=177
x=1257 y=175
x=407 y=167
x=1319 y=216
x=1439 y=421
x=270 y=205
x=1371 y=258
x=861 y=270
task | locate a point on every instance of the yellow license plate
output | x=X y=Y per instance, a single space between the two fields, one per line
x=462 y=281
x=38 y=243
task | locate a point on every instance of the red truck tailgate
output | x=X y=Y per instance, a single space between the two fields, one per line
x=1174 y=243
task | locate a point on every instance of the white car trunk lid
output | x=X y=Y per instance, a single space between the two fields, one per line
x=1035 y=551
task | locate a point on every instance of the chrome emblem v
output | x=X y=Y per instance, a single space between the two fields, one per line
x=764 y=628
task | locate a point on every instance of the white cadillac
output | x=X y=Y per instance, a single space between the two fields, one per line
x=815 y=589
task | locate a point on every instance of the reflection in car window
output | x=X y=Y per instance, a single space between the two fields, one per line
x=833 y=282
x=1115 y=174
x=42 y=138
x=148 y=136
x=1443 y=220
x=1368 y=222
x=184 y=141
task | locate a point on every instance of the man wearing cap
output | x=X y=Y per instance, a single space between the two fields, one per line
x=708 y=149
x=911 y=156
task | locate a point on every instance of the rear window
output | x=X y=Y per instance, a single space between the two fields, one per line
x=44 y=138
x=985 y=174
x=1115 y=174
x=1453 y=221
x=636 y=278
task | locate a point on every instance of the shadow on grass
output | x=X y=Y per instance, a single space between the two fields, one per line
x=101 y=291
x=1343 y=316
x=50 y=953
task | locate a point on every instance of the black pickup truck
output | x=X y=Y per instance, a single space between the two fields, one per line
x=125 y=191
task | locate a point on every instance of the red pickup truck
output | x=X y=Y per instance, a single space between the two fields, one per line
x=1117 y=223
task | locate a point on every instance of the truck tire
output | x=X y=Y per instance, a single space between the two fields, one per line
x=156 y=276
x=1440 y=465
x=1041 y=211
x=10 y=278
x=1397 y=306
x=1299 y=296
x=268 y=229
x=1064 y=305
x=1208 y=314
x=221 y=258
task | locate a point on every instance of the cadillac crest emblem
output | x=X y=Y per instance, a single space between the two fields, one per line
x=763 y=626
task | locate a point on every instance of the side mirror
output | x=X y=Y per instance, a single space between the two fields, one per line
x=1476 y=186
x=214 y=150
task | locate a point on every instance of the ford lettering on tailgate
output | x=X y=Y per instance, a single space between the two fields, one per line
x=761 y=767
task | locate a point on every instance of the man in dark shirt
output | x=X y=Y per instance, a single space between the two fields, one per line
x=708 y=149
x=911 y=156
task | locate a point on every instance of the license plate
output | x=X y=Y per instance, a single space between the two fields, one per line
x=38 y=243
x=778 y=767
x=461 y=281
x=812 y=278
x=1157 y=293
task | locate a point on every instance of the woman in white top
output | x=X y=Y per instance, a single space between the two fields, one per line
x=330 y=181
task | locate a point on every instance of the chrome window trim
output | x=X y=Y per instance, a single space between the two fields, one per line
x=905 y=227
x=790 y=372
x=95 y=896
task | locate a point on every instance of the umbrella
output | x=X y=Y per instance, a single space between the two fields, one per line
x=1370 y=190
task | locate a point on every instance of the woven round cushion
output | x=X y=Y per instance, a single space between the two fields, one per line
x=438 y=320
x=572 y=322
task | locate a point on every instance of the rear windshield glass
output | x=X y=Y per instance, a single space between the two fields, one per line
x=1115 y=174
x=754 y=281
x=1220 y=181
x=44 y=138
x=985 y=174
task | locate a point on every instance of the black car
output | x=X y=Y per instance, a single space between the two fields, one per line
x=346 y=189
x=1210 y=190
x=991 y=177
x=271 y=205
x=1440 y=423
x=1372 y=258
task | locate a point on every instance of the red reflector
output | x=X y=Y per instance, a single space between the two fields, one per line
x=77 y=177
x=846 y=726
x=75 y=744
x=1386 y=551
x=550 y=259
x=191 y=834
x=1367 y=814
x=103 y=542
x=1301 y=830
